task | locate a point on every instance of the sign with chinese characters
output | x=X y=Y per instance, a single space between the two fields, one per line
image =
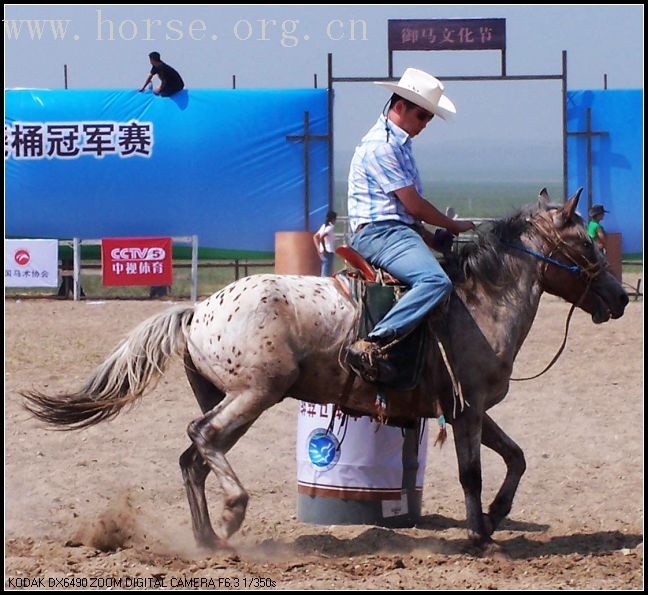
x=447 y=34
x=71 y=140
x=115 y=163
x=136 y=261
x=31 y=263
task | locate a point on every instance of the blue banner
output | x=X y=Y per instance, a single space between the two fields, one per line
x=216 y=163
x=617 y=158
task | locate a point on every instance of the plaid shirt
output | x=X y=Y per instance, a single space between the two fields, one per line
x=380 y=166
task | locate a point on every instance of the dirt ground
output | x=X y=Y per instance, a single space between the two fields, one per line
x=108 y=503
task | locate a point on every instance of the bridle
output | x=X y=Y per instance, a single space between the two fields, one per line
x=590 y=270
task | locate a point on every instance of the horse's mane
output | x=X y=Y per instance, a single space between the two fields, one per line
x=482 y=261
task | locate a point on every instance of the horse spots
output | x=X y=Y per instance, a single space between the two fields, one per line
x=218 y=338
x=229 y=318
x=237 y=297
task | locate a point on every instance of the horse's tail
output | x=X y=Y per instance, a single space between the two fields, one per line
x=136 y=363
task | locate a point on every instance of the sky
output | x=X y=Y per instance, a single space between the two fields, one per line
x=502 y=128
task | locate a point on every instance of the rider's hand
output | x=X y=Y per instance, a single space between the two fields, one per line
x=461 y=226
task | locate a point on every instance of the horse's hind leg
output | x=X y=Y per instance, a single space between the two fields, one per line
x=214 y=434
x=194 y=468
x=494 y=438
x=194 y=473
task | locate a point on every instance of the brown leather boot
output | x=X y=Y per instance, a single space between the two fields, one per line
x=371 y=361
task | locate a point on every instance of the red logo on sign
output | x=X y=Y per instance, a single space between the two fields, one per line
x=137 y=261
x=22 y=257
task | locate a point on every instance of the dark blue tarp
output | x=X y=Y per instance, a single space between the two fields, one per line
x=216 y=163
x=617 y=158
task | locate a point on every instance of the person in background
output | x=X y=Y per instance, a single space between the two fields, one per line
x=594 y=229
x=324 y=240
x=170 y=81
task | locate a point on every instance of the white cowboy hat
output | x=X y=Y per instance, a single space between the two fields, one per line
x=425 y=91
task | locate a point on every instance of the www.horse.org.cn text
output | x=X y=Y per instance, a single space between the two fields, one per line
x=287 y=33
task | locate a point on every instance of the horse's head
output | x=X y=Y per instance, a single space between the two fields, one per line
x=575 y=269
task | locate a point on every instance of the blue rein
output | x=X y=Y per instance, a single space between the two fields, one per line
x=574 y=268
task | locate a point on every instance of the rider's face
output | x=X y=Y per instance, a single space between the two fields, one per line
x=414 y=120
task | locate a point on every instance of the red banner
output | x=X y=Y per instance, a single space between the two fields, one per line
x=137 y=261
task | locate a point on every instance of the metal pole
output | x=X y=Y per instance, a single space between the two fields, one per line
x=233 y=81
x=306 y=170
x=605 y=81
x=390 y=64
x=65 y=80
x=503 y=60
x=194 y=268
x=564 y=117
x=315 y=81
x=76 y=273
x=330 y=131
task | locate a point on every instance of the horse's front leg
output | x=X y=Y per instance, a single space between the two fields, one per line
x=467 y=430
x=494 y=438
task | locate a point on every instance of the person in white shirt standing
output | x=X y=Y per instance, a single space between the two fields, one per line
x=324 y=241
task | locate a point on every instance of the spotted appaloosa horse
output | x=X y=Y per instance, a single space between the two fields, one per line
x=267 y=337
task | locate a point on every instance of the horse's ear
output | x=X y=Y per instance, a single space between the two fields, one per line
x=570 y=206
x=543 y=199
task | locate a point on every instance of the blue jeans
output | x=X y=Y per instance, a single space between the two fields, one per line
x=327 y=264
x=399 y=250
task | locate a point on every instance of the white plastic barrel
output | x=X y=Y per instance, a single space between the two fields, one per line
x=361 y=473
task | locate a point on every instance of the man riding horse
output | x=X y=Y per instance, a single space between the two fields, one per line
x=386 y=211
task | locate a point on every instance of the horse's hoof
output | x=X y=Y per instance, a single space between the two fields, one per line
x=213 y=543
x=494 y=551
x=486 y=547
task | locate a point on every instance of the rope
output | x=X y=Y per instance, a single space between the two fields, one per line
x=456 y=385
x=572 y=269
x=558 y=354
